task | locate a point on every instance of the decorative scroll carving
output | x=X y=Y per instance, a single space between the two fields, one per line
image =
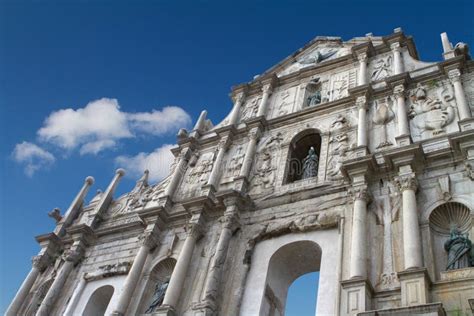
x=432 y=113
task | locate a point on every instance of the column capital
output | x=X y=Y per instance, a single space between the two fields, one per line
x=267 y=88
x=254 y=133
x=230 y=220
x=41 y=262
x=361 y=103
x=194 y=230
x=454 y=75
x=73 y=255
x=150 y=237
x=239 y=96
x=360 y=192
x=223 y=143
x=399 y=91
x=395 y=47
x=362 y=57
x=406 y=182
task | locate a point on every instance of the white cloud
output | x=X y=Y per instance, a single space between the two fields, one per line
x=157 y=162
x=101 y=124
x=160 y=122
x=32 y=156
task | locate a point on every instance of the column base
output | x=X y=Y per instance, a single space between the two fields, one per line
x=403 y=140
x=466 y=124
x=241 y=183
x=360 y=151
x=356 y=296
x=204 y=308
x=414 y=284
x=165 y=310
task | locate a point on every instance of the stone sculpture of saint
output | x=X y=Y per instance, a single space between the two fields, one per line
x=314 y=99
x=158 y=296
x=310 y=164
x=458 y=247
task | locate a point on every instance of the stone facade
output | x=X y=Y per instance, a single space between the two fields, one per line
x=235 y=223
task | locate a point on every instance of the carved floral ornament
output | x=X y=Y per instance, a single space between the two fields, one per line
x=360 y=193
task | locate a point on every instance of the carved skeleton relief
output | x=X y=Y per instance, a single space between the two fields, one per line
x=432 y=111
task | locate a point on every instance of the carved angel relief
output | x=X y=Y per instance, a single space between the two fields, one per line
x=432 y=113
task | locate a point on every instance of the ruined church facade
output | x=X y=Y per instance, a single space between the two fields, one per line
x=350 y=158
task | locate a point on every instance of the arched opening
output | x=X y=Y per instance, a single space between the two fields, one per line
x=302 y=161
x=99 y=300
x=158 y=284
x=302 y=295
x=450 y=224
x=286 y=265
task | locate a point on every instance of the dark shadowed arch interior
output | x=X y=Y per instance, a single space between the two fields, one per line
x=299 y=148
x=287 y=264
x=99 y=300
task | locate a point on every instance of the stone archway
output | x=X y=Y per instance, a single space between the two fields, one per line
x=286 y=265
x=99 y=301
x=278 y=261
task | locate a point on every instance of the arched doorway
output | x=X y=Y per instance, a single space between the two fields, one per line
x=99 y=300
x=286 y=265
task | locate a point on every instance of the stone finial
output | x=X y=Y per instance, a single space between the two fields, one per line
x=447 y=46
x=120 y=172
x=56 y=214
x=397 y=30
x=89 y=180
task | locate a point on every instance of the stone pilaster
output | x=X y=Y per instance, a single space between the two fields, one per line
x=173 y=293
x=250 y=152
x=403 y=135
x=71 y=257
x=150 y=241
x=358 y=261
x=362 y=69
x=411 y=230
x=461 y=102
x=267 y=91
x=178 y=172
x=238 y=100
x=398 y=66
x=214 y=177
x=361 y=103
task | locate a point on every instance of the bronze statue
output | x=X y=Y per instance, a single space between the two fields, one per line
x=158 y=296
x=310 y=164
x=458 y=247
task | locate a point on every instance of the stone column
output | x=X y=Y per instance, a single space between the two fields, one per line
x=216 y=167
x=149 y=242
x=72 y=256
x=398 y=67
x=463 y=106
x=357 y=267
x=262 y=109
x=75 y=297
x=403 y=127
x=411 y=229
x=211 y=289
x=234 y=114
x=362 y=69
x=178 y=172
x=181 y=268
x=361 y=103
x=250 y=152
x=39 y=265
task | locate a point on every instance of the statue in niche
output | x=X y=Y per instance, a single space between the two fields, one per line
x=158 y=296
x=314 y=88
x=432 y=114
x=310 y=164
x=458 y=247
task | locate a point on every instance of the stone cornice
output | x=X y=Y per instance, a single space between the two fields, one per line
x=82 y=233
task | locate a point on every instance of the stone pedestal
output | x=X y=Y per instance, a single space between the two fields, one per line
x=466 y=124
x=165 y=310
x=403 y=140
x=414 y=285
x=435 y=309
x=356 y=296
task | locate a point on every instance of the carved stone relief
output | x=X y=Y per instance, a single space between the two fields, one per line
x=250 y=109
x=382 y=116
x=340 y=84
x=339 y=144
x=284 y=102
x=381 y=68
x=234 y=162
x=197 y=174
x=432 y=110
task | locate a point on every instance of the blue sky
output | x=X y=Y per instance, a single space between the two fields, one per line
x=146 y=68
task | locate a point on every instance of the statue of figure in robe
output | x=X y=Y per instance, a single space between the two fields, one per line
x=310 y=164
x=158 y=296
x=458 y=247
